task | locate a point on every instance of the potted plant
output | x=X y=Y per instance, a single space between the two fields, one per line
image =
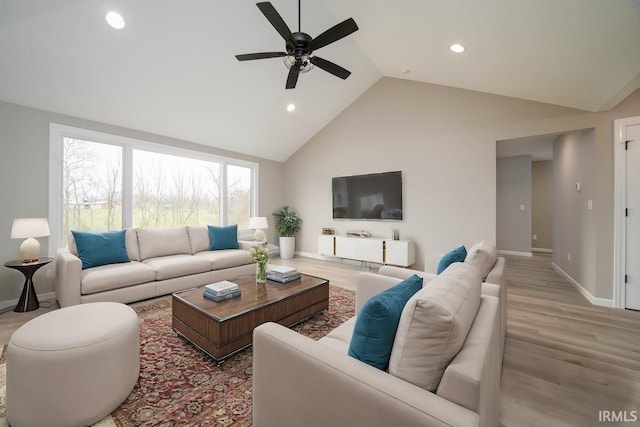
x=288 y=224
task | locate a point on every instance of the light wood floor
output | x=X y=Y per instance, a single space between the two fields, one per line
x=564 y=359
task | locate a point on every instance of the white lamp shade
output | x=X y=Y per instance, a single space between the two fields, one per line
x=29 y=227
x=258 y=223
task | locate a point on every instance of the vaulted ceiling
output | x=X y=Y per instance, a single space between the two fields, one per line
x=172 y=70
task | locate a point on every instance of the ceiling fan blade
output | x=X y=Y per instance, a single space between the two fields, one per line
x=330 y=67
x=292 y=78
x=278 y=23
x=262 y=55
x=334 y=33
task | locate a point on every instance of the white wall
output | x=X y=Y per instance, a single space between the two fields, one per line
x=24 y=159
x=513 y=204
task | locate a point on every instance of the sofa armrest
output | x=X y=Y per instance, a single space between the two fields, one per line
x=300 y=382
x=497 y=273
x=472 y=379
x=68 y=278
x=248 y=244
x=370 y=284
x=498 y=276
x=403 y=273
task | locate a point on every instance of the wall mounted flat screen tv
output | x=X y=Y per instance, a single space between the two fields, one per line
x=373 y=196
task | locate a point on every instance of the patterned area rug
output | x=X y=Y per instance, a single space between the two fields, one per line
x=179 y=385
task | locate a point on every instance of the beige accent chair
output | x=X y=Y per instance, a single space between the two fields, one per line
x=301 y=382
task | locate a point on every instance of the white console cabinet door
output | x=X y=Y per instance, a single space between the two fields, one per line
x=400 y=252
x=325 y=245
x=370 y=250
x=346 y=247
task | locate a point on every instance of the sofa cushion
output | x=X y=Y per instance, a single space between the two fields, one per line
x=114 y=276
x=482 y=256
x=198 y=238
x=223 y=237
x=339 y=338
x=96 y=249
x=157 y=242
x=171 y=266
x=455 y=255
x=434 y=325
x=225 y=258
x=377 y=322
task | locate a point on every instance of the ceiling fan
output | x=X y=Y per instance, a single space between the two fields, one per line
x=299 y=57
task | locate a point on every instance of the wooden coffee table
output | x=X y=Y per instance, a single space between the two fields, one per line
x=221 y=329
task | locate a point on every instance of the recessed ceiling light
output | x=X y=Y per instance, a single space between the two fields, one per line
x=457 y=48
x=291 y=107
x=115 y=20
x=405 y=70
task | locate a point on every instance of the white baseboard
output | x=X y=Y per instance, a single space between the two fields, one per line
x=550 y=251
x=4 y=305
x=585 y=293
x=514 y=253
x=311 y=255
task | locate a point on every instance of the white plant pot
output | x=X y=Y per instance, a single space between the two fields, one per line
x=287 y=247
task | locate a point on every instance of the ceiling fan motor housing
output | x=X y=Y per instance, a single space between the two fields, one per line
x=300 y=50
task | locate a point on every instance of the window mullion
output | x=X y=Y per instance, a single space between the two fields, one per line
x=127 y=186
x=223 y=193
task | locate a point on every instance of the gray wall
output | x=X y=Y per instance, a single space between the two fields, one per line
x=24 y=139
x=444 y=141
x=574 y=226
x=542 y=204
x=513 y=204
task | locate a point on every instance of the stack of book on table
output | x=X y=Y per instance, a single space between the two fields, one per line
x=282 y=273
x=221 y=291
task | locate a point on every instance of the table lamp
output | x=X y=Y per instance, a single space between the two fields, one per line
x=28 y=228
x=259 y=223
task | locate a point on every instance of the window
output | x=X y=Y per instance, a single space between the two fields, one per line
x=101 y=182
x=238 y=195
x=169 y=191
x=92 y=186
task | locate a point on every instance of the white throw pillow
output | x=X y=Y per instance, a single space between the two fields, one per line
x=434 y=325
x=482 y=256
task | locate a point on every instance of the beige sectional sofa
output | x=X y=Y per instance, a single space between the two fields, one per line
x=301 y=382
x=163 y=261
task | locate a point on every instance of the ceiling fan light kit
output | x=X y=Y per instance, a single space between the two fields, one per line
x=299 y=46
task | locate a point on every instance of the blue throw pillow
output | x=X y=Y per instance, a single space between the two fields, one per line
x=456 y=255
x=96 y=249
x=376 y=325
x=223 y=237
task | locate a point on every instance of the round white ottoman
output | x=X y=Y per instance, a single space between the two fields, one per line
x=73 y=366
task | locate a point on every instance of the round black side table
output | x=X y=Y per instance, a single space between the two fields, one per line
x=28 y=299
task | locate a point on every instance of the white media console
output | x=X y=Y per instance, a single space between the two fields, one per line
x=368 y=249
